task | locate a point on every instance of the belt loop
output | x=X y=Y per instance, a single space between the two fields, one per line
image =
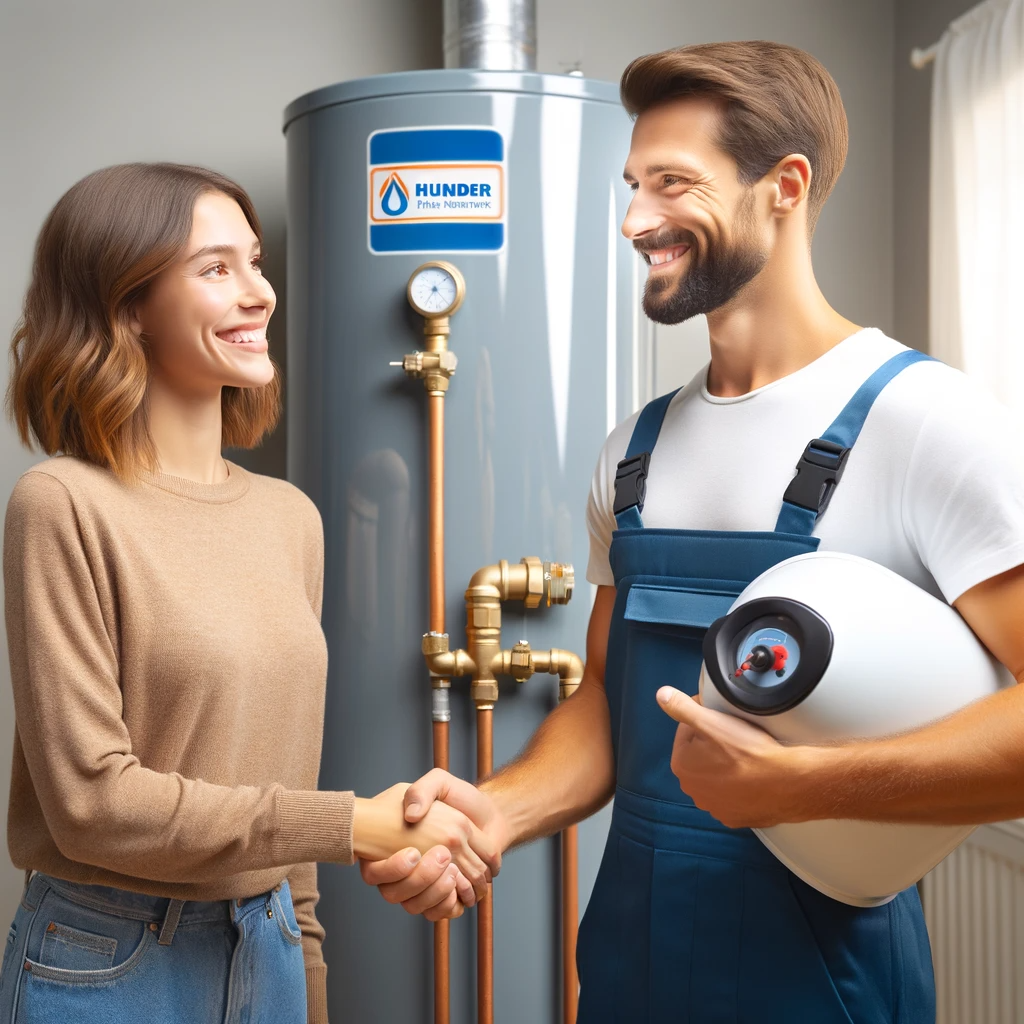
x=26 y=894
x=170 y=922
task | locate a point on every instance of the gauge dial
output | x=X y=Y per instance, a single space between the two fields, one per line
x=436 y=290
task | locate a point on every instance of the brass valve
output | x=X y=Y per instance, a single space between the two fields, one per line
x=435 y=369
x=520 y=662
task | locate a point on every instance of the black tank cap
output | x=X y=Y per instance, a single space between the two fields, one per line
x=811 y=632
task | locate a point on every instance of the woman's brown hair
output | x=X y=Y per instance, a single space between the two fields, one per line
x=776 y=100
x=79 y=374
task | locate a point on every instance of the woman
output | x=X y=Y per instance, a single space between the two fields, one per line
x=162 y=609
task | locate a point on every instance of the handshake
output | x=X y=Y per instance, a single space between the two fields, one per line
x=450 y=837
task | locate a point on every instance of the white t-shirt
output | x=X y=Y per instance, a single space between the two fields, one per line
x=933 y=489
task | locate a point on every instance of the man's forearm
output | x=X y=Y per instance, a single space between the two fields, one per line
x=966 y=769
x=565 y=773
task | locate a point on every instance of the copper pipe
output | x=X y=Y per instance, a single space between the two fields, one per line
x=435 y=410
x=485 y=908
x=531 y=581
x=435 y=416
x=442 y=956
x=570 y=923
x=441 y=745
x=435 y=366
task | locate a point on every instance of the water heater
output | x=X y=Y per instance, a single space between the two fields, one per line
x=515 y=179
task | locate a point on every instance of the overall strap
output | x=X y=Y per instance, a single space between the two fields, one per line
x=824 y=459
x=631 y=474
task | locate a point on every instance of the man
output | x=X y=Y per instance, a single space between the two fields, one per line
x=736 y=146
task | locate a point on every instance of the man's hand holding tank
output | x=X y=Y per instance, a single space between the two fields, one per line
x=380 y=828
x=730 y=768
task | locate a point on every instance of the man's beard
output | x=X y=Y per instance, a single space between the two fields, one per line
x=714 y=278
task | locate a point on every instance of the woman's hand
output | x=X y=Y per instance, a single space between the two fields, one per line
x=379 y=830
x=430 y=885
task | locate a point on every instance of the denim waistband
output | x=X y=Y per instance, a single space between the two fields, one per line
x=136 y=905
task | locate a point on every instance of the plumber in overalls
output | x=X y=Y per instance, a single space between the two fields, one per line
x=804 y=432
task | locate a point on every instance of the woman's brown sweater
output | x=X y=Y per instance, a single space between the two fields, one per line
x=169 y=671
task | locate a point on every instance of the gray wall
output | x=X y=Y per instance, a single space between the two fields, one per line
x=918 y=23
x=86 y=85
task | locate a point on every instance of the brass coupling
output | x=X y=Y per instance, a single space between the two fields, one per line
x=559 y=581
x=531 y=581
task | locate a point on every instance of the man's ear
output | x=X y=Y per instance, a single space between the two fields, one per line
x=792 y=177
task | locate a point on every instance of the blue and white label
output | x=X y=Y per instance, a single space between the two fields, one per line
x=437 y=190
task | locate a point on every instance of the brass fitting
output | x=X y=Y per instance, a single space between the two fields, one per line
x=520 y=662
x=436 y=329
x=487 y=589
x=564 y=664
x=534 y=581
x=435 y=368
x=559 y=581
x=531 y=581
x=443 y=663
x=434 y=643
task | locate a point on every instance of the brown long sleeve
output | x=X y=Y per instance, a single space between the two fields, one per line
x=169 y=671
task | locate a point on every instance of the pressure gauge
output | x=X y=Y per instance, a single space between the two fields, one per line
x=436 y=289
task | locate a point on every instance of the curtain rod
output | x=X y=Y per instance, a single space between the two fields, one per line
x=922 y=58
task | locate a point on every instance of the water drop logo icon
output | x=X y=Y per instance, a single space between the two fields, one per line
x=394 y=196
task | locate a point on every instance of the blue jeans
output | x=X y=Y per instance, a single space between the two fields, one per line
x=91 y=954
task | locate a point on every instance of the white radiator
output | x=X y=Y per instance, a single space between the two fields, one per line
x=974 y=906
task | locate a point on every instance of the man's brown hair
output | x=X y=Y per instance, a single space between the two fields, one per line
x=79 y=374
x=775 y=100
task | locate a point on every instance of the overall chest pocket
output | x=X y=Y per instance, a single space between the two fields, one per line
x=663 y=626
x=687 y=612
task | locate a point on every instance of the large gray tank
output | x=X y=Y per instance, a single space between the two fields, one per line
x=553 y=351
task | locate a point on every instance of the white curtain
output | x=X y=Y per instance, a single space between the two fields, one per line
x=976 y=257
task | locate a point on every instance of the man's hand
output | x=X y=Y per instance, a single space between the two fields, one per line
x=379 y=828
x=730 y=768
x=438 y=784
x=431 y=885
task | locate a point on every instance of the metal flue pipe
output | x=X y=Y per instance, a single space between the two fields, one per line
x=496 y=35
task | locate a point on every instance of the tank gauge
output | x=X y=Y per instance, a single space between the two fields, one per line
x=436 y=289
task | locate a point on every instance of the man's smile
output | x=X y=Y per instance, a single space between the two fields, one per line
x=659 y=257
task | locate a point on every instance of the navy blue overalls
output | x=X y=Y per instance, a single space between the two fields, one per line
x=691 y=921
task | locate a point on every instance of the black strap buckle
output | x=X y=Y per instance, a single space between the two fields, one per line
x=819 y=470
x=631 y=482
